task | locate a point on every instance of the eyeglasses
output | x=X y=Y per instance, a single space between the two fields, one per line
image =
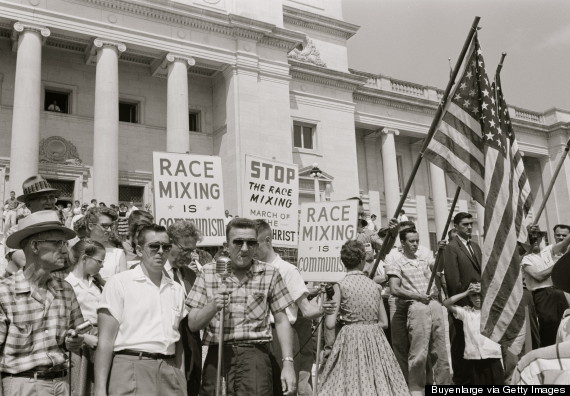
x=238 y=243
x=183 y=250
x=105 y=226
x=96 y=259
x=155 y=247
x=45 y=197
x=59 y=242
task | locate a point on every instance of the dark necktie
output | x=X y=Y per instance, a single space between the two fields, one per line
x=175 y=275
x=471 y=252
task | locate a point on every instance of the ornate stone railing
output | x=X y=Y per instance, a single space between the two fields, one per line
x=407 y=88
x=527 y=115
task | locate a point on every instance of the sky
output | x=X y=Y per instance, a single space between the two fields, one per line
x=412 y=40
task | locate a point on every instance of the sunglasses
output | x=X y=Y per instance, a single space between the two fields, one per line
x=238 y=243
x=105 y=226
x=59 y=242
x=155 y=247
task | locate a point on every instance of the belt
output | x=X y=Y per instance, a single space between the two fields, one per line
x=155 y=356
x=47 y=375
x=259 y=345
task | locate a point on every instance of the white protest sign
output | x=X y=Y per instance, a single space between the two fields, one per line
x=271 y=193
x=189 y=187
x=324 y=228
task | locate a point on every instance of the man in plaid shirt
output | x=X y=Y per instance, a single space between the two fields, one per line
x=251 y=292
x=418 y=317
x=37 y=311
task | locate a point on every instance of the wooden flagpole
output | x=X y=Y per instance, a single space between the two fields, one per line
x=438 y=259
x=390 y=238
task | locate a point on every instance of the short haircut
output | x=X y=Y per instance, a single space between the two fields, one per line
x=563 y=226
x=402 y=211
x=12 y=192
x=404 y=233
x=263 y=226
x=137 y=220
x=146 y=229
x=407 y=224
x=450 y=232
x=87 y=247
x=460 y=216
x=92 y=215
x=93 y=200
x=373 y=215
x=352 y=254
x=358 y=199
x=240 y=223
x=183 y=229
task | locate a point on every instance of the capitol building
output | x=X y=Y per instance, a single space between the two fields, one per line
x=90 y=88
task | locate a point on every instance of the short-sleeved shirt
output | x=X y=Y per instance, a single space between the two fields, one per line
x=538 y=262
x=12 y=204
x=247 y=317
x=295 y=285
x=477 y=346
x=87 y=295
x=413 y=273
x=148 y=315
x=32 y=328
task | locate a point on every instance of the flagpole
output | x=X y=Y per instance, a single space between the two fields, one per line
x=500 y=65
x=551 y=186
x=390 y=238
x=440 y=249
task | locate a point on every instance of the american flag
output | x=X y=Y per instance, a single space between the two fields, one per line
x=521 y=187
x=457 y=145
x=479 y=156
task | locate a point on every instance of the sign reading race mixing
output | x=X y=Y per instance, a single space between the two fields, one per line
x=190 y=187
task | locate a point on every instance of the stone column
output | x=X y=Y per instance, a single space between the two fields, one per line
x=372 y=172
x=24 y=147
x=439 y=195
x=106 y=121
x=390 y=170
x=177 y=124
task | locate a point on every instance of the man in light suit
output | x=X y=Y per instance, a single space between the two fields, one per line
x=462 y=264
x=182 y=267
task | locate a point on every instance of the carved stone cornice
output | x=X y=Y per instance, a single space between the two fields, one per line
x=98 y=43
x=309 y=54
x=398 y=101
x=20 y=27
x=319 y=75
x=321 y=23
x=173 y=14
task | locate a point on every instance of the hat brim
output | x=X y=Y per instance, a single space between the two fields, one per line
x=13 y=241
x=24 y=197
x=561 y=273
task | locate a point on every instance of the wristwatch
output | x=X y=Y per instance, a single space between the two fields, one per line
x=288 y=359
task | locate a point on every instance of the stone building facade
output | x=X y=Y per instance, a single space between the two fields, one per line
x=90 y=88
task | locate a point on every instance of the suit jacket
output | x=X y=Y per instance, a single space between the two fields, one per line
x=460 y=267
x=191 y=341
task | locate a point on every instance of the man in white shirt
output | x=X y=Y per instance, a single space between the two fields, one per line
x=139 y=315
x=550 y=303
x=309 y=311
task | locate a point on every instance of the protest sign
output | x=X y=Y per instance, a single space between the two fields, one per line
x=189 y=187
x=271 y=193
x=324 y=228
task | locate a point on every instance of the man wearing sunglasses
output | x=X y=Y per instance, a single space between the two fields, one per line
x=138 y=316
x=37 y=310
x=249 y=294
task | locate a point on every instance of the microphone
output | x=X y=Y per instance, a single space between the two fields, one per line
x=81 y=329
x=223 y=266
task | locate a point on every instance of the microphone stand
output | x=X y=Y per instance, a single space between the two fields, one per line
x=219 y=377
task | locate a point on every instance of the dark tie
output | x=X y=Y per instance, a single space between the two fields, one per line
x=471 y=252
x=175 y=275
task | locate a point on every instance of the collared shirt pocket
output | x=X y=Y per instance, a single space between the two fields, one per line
x=20 y=338
x=256 y=306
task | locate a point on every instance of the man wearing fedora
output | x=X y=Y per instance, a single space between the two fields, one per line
x=38 y=194
x=37 y=311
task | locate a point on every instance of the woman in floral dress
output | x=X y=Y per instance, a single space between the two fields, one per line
x=361 y=361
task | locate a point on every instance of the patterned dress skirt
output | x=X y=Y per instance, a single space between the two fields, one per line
x=362 y=363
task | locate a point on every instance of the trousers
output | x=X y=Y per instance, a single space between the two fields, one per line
x=21 y=386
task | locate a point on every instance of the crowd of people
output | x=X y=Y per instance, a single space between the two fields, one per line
x=99 y=300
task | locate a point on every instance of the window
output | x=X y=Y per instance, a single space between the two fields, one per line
x=128 y=112
x=304 y=136
x=194 y=121
x=56 y=101
x=133 y=194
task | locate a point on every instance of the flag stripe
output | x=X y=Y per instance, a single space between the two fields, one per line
x=453 y=144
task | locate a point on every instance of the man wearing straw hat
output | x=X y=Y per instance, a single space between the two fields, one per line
x=38 y=194
x=37 y=311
